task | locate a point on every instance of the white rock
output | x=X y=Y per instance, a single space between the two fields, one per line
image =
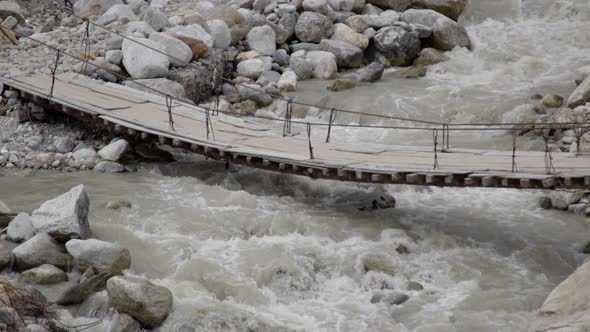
x=220 y=33
x=148 y=303
x=251 y=68
x=64 y=144
x=114 y=56
x=142 y=62
x=262 y=40
x=87 y=8
x=114 y=151
x=20 y=228
x=193 y=31
x=64 y=217
x=343 y=33
x=116 y=13
x=101 y=255
x=181 y=53
x=83 y=155
x=38 y=250
x=324 y=64
x=288 y=81
x=156 y=18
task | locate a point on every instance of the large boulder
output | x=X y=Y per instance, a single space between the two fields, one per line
x=313 y=27
x=198 y=47
x=114 y=151
x=561 y=199
x=220 y=32
x=288 y=81
x=142 y=62
x=86 y=8
x=262 y=40
x=64 y=217
x=20 y=228
x=180 y=53
x=38 y=250
x=11 y=8
x=448 y=34
x=344 y=33
x=100 y=255
x=148 y=303
x=449 y=8
x=347 y=55
x=395 y=46
x=166 y=86
x=581 y=94
x=116 y=13
x=251 y=68
x=397 y=5
x=324 y=64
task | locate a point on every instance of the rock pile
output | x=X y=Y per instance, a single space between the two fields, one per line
x=53 y=247
x=573 y=201
x=268 y=44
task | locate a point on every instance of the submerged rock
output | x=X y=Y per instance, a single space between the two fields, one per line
x=341 y=84
x=78 y=293
x=370 y=73
x=125 y=323
x=148 y=303
x=64 y=217
x=100 y=255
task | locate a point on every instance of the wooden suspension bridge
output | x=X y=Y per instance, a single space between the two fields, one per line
x=144 y=116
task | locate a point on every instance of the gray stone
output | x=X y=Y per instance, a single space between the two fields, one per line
x=251 y=92
x=114 y=56
x=164 y=85
x=302 y=67
x=313 y=27
x=581 y=94
x=100 y=255
x=561 y=199
x=449 y=8
x=287 y=82
x=194 y=31
x=307 y=47
x=448 y=34
x=370 y=73
x=78 y=293
x=180 y=54
x=397 y=5
x=220 y=32
x=11 y=319
x=324 y=64
x=109 y=167
x=142 y=62
x=20 y=228
x=10 y=22
x=425 y=17
x=148 y=303
x=342 y=5
x=251 y=68
x=85 y=154
x=45 y=274
x=34 y=142
x=262 y=40
x=155 y=18
x=281 y=57
x=395 y=46
x=125 y=323
x=64 y=217
x=114 y=43
x=385 y=19
x=347 y=55
x=86 y=8
x=318 y=6
x=64 y=144
x=114 y=151
x=11 y=8
x=395 y=298
x=343 y=33
x=35 y=328
x=117 y=13
x=545 y=202
x=38 y=250
x=5 y=255
x=267 y=77
x=430 y=56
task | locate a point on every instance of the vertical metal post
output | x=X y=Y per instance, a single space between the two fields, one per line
x=169 y=106
x=435 y=140
x=309 y=140
x=54 y=71
x=514 y=168
x=331 y=121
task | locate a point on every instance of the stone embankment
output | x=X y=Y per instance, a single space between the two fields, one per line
x=267 y=45
x=53 y=247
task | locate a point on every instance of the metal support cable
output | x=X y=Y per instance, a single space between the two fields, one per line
x=549 y=168
x=514 y=136
x=54 y=71
x=169 y=106
x=435 y=140
x=309 y=140
x=330 y=122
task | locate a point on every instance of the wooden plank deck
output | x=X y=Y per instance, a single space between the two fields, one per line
x=237 y=140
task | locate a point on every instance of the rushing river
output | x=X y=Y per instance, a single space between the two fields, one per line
x=247 y=250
